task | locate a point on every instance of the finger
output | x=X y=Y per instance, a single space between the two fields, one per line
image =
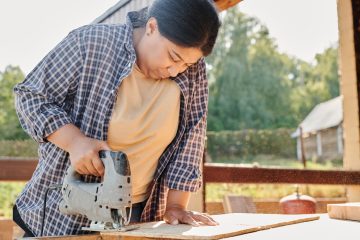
x=78 y=170
x=206 y=216
x=174 y=221
x=78 y=167
x=82 y=170
x=98 y=166
x=189 y=220
x=205 y=219
x=171 y=219
x=90 y=169
x=203 y=214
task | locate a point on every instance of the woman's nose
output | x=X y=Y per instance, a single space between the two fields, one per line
x=175 y=69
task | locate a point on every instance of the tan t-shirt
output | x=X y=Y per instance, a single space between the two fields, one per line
x=143 y=123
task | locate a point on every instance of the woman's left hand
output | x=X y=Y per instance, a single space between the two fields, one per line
x=175 y=215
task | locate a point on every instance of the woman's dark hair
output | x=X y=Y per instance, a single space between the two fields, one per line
x=188 y=23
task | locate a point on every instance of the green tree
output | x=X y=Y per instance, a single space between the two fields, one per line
x=9 y=124
x=326 y=70
x=269 y=76
x=229 y=68
x=248 y=77
x=253 y=85
x=314 y=83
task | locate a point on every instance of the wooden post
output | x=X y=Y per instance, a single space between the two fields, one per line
x=6 y=228
x=303 y=158
x=348 y=15
x=318 y=144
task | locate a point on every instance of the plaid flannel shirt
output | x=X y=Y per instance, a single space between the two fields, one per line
x=77 y=82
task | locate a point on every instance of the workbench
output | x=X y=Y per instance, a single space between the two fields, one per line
x=325 y=228
x=310 y=226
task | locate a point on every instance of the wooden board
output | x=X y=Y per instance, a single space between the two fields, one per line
x=6 y=228
x=348 y=211
x=232 y=224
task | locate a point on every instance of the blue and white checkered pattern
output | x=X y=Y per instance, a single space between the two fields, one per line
x=77 y=82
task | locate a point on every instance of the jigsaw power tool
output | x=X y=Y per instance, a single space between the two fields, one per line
x=104 y=203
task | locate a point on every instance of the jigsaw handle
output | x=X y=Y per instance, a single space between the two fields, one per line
x=118 y=159
x=97 y=200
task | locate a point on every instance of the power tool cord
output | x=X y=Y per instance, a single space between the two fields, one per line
x=52 y=187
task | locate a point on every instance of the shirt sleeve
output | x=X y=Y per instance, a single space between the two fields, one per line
x=41 y=97
x=184 y=171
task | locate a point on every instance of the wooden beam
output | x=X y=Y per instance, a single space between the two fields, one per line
x=16 y=169
x=225 y=4
x=349 y=52
x=356 y=32
x=222 y=173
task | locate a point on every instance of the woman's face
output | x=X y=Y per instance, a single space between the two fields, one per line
x=160 y=58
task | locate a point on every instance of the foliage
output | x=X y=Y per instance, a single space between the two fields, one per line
x=9 y=124
x=254 y=86
x=18 y=148
x=9 y=191
x=246 y=144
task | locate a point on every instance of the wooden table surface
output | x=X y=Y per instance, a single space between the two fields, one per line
x=325 y=228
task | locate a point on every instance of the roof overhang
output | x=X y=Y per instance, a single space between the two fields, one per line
x=225 y=4
x=221 y=5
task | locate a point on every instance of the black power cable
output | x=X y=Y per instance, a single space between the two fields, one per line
x=52 y=187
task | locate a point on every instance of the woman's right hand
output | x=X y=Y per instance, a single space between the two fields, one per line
x=84 y=151
x=84 y=155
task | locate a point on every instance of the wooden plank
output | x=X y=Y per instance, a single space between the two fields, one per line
x=233 y=224
x=6 y=228
x=16 y=169
x=356 y=31
x=232 y=173
x=349 y=67
x=347 y=211
x=70 y=237
x=323 y=229
x=21 y=169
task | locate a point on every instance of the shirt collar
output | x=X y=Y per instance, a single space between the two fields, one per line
x=137 y=19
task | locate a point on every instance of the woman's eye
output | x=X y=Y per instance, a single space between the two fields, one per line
x=172 y=58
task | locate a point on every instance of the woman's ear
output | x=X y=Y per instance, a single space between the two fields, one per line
x=151 y=26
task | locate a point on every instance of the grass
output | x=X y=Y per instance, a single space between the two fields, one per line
x=8 y=193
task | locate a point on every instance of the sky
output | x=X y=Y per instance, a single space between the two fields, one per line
x=30 y=29
x=301 y=27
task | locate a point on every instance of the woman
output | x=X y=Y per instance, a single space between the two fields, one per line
x=140 y=88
